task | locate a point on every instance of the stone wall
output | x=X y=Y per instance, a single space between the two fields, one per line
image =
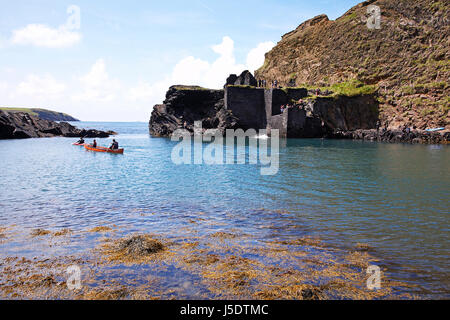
x=254 y=107
x=247 y=105
x=278 y=122
x=289 y=120
x=275 y=98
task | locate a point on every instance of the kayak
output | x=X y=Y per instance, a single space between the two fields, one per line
x=102 y=149
x=78 y=144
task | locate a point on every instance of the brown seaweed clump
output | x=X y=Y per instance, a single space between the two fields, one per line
x=132 y=250
x=62 y=232
x=2 y=233
x=39 y=232
x=100 y=229
x=140 y=246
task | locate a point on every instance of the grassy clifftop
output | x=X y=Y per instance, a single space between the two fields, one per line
x=43 y=114
x=406 y=62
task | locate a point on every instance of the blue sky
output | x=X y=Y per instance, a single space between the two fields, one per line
x=122 y=57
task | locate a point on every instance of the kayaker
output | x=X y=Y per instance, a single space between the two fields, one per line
x=94 y=144
x=81 y=141
x=114 y=145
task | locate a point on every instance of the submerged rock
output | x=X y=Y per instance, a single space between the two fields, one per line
x=312 y=294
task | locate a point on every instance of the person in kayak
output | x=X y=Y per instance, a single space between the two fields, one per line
x=114 y=145
x=81 y=141
x=94 y=144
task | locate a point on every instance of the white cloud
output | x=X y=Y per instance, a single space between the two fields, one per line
x=256 y=56
x=195 y=71
x=3 y=86
x=3 y=42
x=97 y=85
x=141 y=92
x=40 y=35
x=97 y=95
x=40 y=87
x=4 y=91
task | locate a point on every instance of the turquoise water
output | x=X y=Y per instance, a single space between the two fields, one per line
x=394 y=197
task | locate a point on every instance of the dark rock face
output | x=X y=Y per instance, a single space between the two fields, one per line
x=301 y=123
x=245 y=79
x=347 y=113
x=18 y=125
x=186 y=104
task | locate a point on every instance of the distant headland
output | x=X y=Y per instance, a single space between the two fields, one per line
x=43 y=114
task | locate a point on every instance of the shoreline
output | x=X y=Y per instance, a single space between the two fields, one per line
x=220 y=266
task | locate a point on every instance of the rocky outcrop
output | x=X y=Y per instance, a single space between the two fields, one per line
x=186 y=104
x=20 y=125
x=414 y=136
x=245 y=79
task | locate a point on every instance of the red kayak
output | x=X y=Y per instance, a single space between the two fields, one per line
x=102 y=149
x=78 y=144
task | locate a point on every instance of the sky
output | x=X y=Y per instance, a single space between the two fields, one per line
x=114 y=60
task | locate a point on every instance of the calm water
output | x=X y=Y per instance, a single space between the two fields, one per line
x=394 y=197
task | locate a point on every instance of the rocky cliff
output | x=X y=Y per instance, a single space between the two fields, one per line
x=21 y=125
x=406 y=62
x=186 y=104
